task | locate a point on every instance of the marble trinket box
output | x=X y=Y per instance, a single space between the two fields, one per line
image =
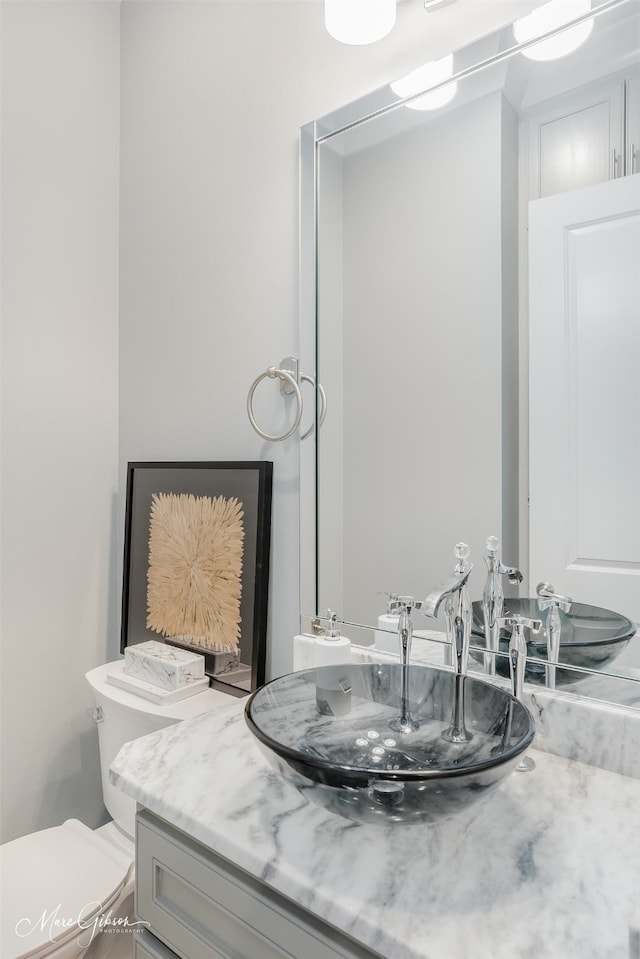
x=160 y=664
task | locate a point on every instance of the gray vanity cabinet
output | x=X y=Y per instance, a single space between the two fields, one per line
x=146 y=946
x=585 y=137
x=200 y=906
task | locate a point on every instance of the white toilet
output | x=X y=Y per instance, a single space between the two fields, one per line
x=64 y=887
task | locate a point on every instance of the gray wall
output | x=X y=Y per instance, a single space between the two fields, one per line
x=60 y=173
x=212 y=98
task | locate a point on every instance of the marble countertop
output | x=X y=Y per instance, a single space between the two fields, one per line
x=547 y=868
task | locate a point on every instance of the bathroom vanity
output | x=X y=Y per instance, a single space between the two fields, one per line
x=202 y=905
x=234 y=862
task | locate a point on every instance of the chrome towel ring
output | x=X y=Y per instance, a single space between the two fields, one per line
x=289 y=378
x=306 y=378
x=286 y=378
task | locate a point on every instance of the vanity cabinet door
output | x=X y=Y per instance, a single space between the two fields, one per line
x=146 y=946
x=204 y=907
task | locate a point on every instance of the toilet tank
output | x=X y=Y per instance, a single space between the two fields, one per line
x=122 y=716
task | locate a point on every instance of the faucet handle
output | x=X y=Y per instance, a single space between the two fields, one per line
x=399 y=604
x=391 y=600
x=547 y=597
x=462 y=552
x=493 y=544
x=513 y=574
x=519 y=622
x=332 y=631
x=495 y=564
x=559 y=602
x=545 y=589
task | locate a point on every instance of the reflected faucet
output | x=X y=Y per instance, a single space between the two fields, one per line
x=493 y=599
x=550 y=600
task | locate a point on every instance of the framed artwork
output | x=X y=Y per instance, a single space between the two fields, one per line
x=196 y=564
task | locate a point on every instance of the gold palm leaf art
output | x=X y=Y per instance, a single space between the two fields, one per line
x=194 y=580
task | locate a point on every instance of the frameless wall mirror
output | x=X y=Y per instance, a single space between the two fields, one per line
x=470 y=303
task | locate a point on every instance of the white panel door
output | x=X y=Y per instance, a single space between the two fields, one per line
x=584 y=360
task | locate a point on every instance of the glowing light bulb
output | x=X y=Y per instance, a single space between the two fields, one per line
x=552 y=16
x=359 y=21
x=424 y=78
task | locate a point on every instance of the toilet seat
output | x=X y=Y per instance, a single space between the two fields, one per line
x=56 y=885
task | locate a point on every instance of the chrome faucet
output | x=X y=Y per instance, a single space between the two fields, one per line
x=457 y=611
x=457 y=607
x=404 y=605
x=493 y=599
x=550 y=600
x=517 y=661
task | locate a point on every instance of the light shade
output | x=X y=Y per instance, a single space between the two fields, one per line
x=425 y=77
x=359 y=21
x=552 y=16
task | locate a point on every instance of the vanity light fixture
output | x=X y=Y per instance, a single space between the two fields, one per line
x=424 y=78
x=553 y=16
x=359 y=21
x=365 y=21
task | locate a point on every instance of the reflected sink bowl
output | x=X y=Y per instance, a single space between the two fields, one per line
x=333 y=733
x=590 y=637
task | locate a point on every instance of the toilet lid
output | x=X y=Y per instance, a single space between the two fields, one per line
x=53 y=881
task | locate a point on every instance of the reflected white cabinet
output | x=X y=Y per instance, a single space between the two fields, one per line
x=633 y=123
x=585 y=137
x=584 y=393
x=200 y=906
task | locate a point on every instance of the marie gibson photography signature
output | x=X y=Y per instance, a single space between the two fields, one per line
x=87 y=921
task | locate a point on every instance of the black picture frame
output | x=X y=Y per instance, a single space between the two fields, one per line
x=251 y=483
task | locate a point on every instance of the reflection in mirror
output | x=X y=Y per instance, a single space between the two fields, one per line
x=477 y=266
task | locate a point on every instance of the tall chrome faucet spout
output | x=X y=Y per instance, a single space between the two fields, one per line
x=431 y=605
x=457 y=607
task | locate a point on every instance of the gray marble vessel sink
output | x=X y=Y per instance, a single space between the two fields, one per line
x=357 y=742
